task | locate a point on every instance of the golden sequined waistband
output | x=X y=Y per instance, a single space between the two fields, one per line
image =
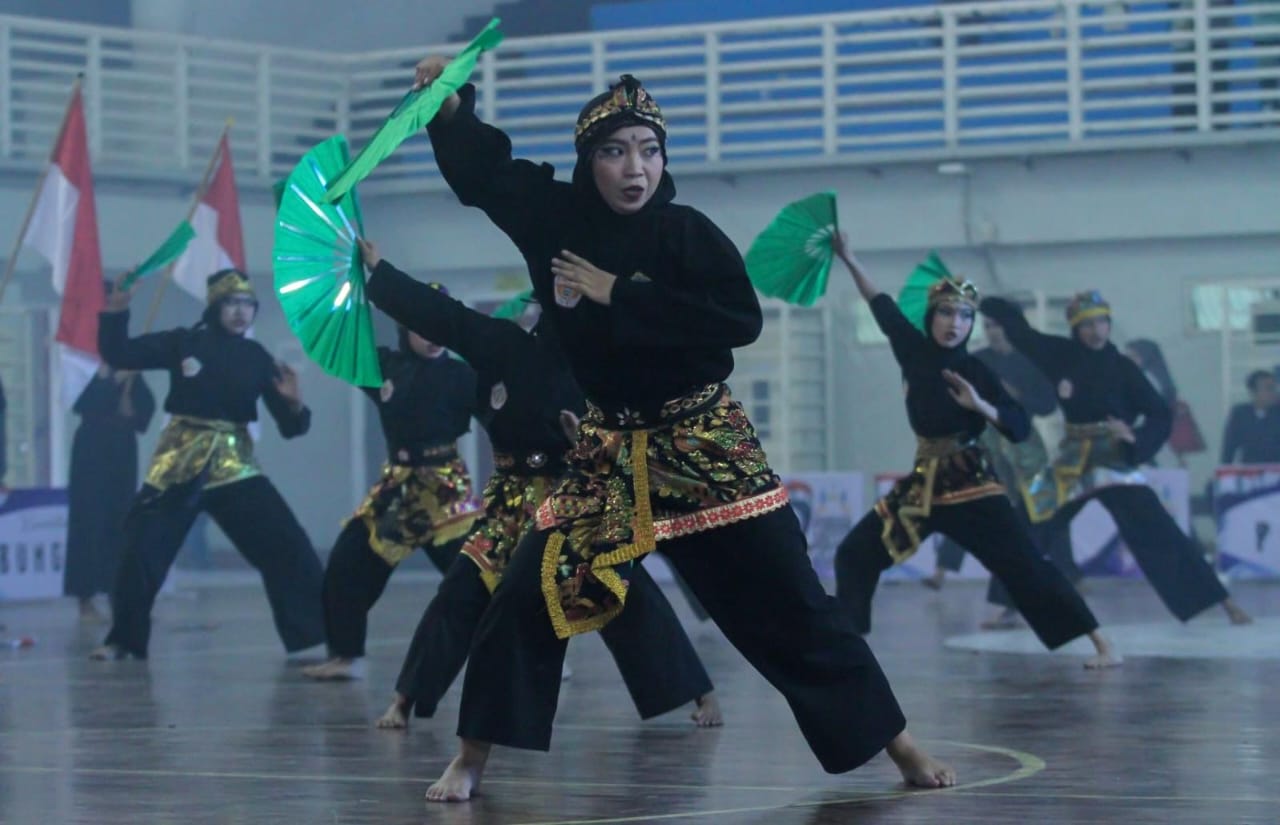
x=1090 y=429
x=654 y=414
x=941 y=447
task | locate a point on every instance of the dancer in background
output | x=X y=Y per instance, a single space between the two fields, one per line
x=114 y=408
x=423 y=498
x=526 y=396
x=647 y=298
x=1103 y=396
x=205 y=461
x=953 y=489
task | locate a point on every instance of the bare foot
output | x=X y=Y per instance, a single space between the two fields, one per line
x=108 y=653
x=396 y=717
x=1105 y=655
x=1236 y=613
x=935 y=581
x=336 y=670
x=89 y=613
x=1007 y=620
x=461 y=780
x=708 y=713
x=919 y=769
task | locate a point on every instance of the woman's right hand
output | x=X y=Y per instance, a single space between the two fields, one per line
x=425 y=73
x=369 y=253
x=118 y=300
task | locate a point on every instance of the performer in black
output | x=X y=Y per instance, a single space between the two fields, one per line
x=423 y=498
x=114 y=408
x=953 y=488
x=648 y=299
x=524 y=391
x=1103 y=396
x=205 y=461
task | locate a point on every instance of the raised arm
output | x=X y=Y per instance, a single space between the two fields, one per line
x=904 y=339
x=479 y=339
x=153 y=351
x=475 y=160
x=1048 y=352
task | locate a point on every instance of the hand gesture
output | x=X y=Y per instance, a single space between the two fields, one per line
x=583 y=276
x=118 y=300
x=427 y=70
x=425 y=73
x=286 y=381
x=569 y=424
x=1120 y=430
x=369 y=253
x=962 y=391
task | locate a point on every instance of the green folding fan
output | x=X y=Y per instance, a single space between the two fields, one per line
x=913 y=300
x=414 y=112
x=791 y=258
x=165 y=254
x=319 y=276
x=515 y=306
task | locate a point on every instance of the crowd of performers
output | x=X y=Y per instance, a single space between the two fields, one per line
x=615 y=435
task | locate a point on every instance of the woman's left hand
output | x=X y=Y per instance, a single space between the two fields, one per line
x=1120 y=430
x=369 y=253
x=584 y=276
x=963 y=392
x=286 y=381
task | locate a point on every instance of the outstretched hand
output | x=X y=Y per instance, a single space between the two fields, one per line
x=962 y=391
x=286 y=381
x=118 y=300
x=427 y=72
x=369 y=253
x=1120 y=430
x=584 y=276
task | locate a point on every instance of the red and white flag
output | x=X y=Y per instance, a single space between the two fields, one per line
x=219 y=242
x=64 y=229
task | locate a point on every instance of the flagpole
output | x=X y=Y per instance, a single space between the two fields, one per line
x=35 y=195
x=167 y=276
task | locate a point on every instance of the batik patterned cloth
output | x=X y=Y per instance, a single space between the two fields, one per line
x=637 y=477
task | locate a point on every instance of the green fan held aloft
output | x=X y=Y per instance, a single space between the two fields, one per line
x=515 y=306
x=791 y=258
x=414 y=112
x=913 y=300
x=167 y=253
x=319 y=276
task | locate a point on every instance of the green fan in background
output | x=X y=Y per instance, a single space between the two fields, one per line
x=414 y=112
x=167 y=253
x=515 y=306
x=791 y=258
x=319 y=275
x=913 y=300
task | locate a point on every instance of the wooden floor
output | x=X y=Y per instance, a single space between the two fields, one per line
x=220 y=728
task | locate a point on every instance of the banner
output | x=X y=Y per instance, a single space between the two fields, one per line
x=33 y=539
x=1246 y=505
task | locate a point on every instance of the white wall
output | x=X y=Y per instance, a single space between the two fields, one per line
x=339 y=26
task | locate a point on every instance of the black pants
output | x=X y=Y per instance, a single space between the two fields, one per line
x=655 y=657
x=992 y=531
x=755 y=579
x=1053 y=544
x=354 y=579
x=1170 y=560
x=259 y=524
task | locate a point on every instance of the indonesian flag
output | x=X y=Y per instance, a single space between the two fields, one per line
x=64 y=229
x=219 y=243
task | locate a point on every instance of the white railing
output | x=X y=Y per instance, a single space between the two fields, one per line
x=1016 y=76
